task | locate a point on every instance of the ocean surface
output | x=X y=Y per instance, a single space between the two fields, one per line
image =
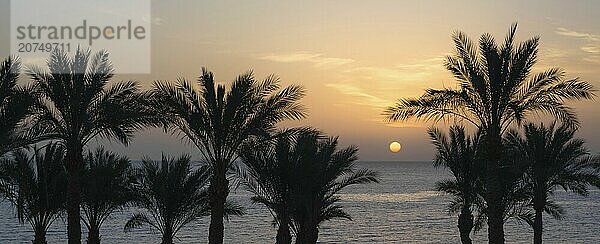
x=403 y=208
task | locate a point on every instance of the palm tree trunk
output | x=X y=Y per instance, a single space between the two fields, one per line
x=74 y=167
x=494 y=190
x=94 y=235
x=539 y=203
x=219 y=189
x=167 y=237
x=283 y=232
x=537 y=227
x=465 y=225
x=308 y=234
x=40 y=236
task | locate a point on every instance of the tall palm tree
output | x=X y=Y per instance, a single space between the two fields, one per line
x=36 y=187
x=496 y=88
x=76 y=105
x=218 y=121
x=321 y=171
x=555 y=159
x=173 y=195
x=268 y=173
x=460 y=154
x=107 y=186
x=15 y=105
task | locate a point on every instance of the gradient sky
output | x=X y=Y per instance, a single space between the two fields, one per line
x=357 y=57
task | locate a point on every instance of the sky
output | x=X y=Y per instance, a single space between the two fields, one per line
x=356 y=57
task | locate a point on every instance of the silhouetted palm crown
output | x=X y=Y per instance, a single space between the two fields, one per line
x=460 y=154
x=269 y=176
x=107 y=186
x=321 y=171
x=269 y=171
x=496 y=86
x=219 y=121
x=76 y=104
x=298 y=176
x=173 y=195
x=554 y=158
x=15 y=105
x=35 y=185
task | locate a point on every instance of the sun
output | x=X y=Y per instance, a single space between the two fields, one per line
x=395 y=147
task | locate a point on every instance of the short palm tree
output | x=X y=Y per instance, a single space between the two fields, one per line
x=555 y=159
x=76 y=105
x=107 y=186
x=173 y=195
x=36 y=187
x=460 y=154
x=15 y=104
x=217 y=121
x=496 y=88
x=268 y=173
x=321 y=171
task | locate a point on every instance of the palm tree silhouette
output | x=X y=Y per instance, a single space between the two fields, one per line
x=36 y=187
x=217 y=122
x=15 y=105
x=268 y=173
x=554 y=159
x=321 y=171
x=496 y=89
x=173 y=195
x=107 y=186
x=76 y=105
x=460 y=154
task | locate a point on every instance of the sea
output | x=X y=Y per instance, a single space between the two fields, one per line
x=403 y=208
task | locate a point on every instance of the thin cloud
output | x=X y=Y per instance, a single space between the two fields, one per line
x=379 y=86
x=366 y=98
x=571 y=33
x=592 y=59
x=591 y=49
x=554 y=53
x=318 y=59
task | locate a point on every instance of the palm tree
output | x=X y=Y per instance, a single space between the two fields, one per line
x=173 y=196
x=107 y=186
x=496 y=88
x=217 y=122
x=36 y=187
x=15 y=105
x=268 y=173
x=76 y=105
x=460 y=154
x=321 y=171
x=555 y=159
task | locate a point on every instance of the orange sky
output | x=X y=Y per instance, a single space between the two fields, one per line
x=357 y=57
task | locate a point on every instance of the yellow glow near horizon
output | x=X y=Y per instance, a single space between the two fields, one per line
x=395 y=147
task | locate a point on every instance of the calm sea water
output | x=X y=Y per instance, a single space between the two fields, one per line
x=402 y=209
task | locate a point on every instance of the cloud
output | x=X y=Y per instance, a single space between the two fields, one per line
x=417 y=71
x=592 y=59
x=402 y=76
x=554 y=53
x=591 y=49
x=592 y=46
x=318 y=59
x=379 y=86
x=365 y=97
x=571 y=33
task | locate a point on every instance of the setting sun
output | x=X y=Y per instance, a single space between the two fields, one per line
x=395 y=147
